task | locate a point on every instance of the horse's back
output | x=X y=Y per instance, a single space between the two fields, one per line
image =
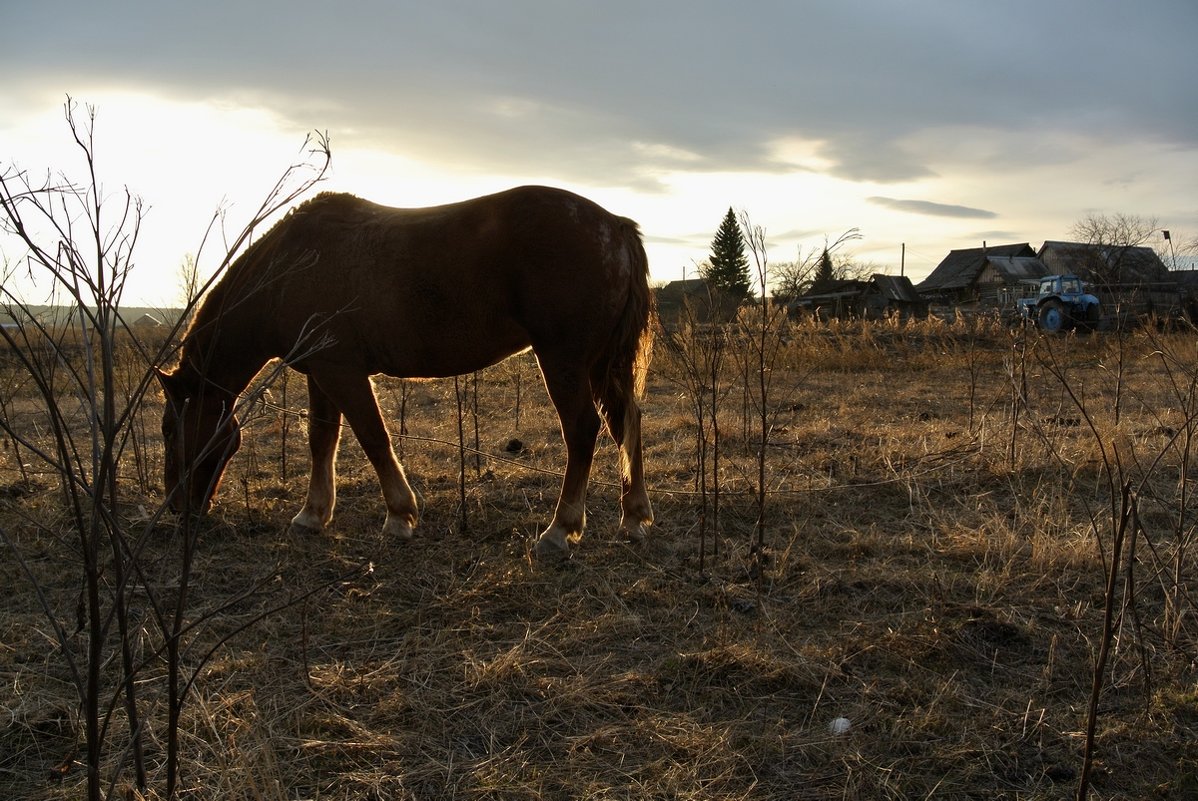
x=447 y=289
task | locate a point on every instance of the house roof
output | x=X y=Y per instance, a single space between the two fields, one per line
x=684 y=285
x=840 y=285
x=896 y=287
x=891 y=287
x=675 y=291
x=961 y=268
x=832 y=290
x=1018 y=268
x=1105 y=262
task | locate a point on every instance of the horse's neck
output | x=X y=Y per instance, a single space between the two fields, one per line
x=222 y=359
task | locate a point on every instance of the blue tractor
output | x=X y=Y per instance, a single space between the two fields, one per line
x=1061 y=304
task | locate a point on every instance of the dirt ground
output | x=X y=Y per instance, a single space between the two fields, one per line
x=932 y=568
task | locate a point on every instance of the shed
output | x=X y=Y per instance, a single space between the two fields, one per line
x=880 y=297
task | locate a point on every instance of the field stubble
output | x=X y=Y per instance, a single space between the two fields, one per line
x=933 y=575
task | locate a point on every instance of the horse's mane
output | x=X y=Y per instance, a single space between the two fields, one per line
x=330 y=202
x=251 y=270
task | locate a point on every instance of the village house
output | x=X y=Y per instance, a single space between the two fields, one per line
x=1105 y=264
x=701 y=303
x=985 y=277
x=1131 y=282
x=675 y=295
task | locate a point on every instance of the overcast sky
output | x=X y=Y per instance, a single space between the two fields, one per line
x=935 y=124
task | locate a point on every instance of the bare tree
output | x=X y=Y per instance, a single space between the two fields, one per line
x=1187 y=246
x=189 y=280
x=1116 y=230
x=795 y=278
x=1114 y=235
x=1179 y=243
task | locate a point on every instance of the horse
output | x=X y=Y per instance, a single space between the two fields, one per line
x=344 y=289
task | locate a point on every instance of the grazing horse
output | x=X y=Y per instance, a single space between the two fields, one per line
x=344 y=288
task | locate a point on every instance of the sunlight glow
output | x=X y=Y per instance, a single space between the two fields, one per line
x=189 y=160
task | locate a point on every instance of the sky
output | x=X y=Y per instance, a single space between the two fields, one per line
x=927 y=125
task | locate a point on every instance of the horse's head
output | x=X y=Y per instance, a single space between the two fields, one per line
x=199 y=435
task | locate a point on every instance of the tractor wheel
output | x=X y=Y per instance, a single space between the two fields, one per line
x=1093 y=316
x=1053 y=317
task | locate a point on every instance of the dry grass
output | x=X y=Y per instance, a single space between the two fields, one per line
x=933 y=576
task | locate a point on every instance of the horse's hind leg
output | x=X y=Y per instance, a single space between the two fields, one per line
x=324 y=432
x=351 y=391
x=623 y=416
x=570 y=392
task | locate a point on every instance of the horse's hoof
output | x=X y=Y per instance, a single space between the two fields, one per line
x=301 y=530
x=397 y=528
x=636 y=534
x=551 y=548
x=305 y=525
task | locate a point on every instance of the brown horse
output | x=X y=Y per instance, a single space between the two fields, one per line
x=344 y=289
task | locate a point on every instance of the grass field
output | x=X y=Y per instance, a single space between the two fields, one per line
x=941 y=513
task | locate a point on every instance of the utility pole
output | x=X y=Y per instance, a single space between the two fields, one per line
x=1172 y=252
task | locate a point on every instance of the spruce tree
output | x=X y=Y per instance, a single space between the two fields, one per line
x=825 y=273
x=727 y=270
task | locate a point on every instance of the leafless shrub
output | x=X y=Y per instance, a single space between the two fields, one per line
x=761 y=333
x=696 y=357
x=1131 y=470
x=92 y=372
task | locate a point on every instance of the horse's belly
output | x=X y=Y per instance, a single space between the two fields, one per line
x=449 y=352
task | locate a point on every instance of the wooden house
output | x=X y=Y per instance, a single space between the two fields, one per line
x=1132 y=282
x=1105 y=264
x=983 y=277
x=694 y=296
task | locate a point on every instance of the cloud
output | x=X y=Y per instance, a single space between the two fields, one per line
x=931 y=209
x=678 y=108
x=994 y=236
x=617 y=92
x=695 y=239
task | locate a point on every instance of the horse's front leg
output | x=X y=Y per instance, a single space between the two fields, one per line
x=352 y=392
x=324 y=432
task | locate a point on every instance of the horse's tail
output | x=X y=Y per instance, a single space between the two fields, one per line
x=621 y=380
x=641 y=311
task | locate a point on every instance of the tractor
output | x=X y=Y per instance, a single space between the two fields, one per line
x=1062 y=303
